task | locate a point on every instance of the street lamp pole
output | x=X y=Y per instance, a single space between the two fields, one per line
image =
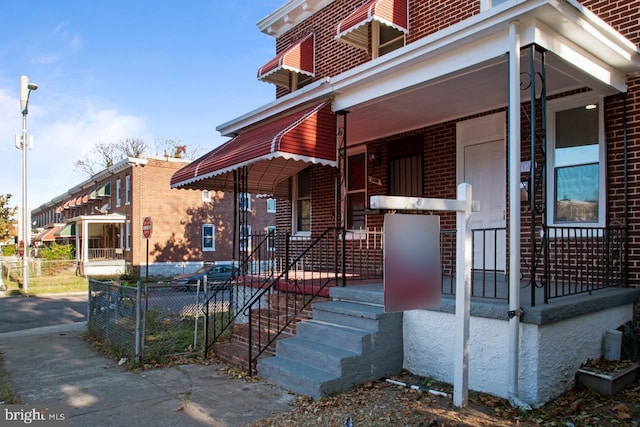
x=25 y=92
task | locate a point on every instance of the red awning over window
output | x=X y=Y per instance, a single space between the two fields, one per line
x=299 y=58
x=353 y=29
x=271 y=152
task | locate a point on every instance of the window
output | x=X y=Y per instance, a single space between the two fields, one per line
x=576 y=162
x=244 y=201
x=208 y=238
x=271 y=205
x=271 y=238
x=356 y=190
x=127 y=190
x=406 y=167
x=245 y=238
x=127 y=235
x=385 y=39
x=206 y=196
x=488 y=4
x=118 y=192
x=299 y=80
x=302 y=202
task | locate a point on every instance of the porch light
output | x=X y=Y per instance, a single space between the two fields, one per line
x=590 y=106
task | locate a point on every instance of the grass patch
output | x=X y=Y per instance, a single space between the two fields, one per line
x=48 y=285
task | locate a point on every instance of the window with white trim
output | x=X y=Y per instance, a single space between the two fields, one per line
x=576 y=162
x=271 y=238
x=127 y=190
x=385 y=39
x=271 y=205
x=127 y=235
x=118 y=192
x=206 y=196
x=356 y=190
x=244 y=201
x=245 y=238
x=302 y=202
x=488 y=4
x=208 y=238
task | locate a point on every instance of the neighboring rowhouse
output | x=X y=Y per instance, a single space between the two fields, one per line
x=535 y=103
x=103 y=218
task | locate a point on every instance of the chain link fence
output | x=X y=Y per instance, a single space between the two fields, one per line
x=146 y=322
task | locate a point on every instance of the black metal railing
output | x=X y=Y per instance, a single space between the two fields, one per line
x=583 y=259
x=488 y=274
x=275 y=309
x=271 y=292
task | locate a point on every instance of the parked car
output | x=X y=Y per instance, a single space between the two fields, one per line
x=217 y=278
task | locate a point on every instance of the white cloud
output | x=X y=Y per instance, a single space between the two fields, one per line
x=63 y=133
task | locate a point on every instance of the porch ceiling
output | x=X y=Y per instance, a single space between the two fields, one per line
x=474 y=89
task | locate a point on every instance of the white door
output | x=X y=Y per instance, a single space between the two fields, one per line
x=485 y=170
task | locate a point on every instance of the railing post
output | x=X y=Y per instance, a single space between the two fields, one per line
x=344 y=256
x=286 y=257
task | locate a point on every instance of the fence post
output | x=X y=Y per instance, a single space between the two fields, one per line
x=137 y=335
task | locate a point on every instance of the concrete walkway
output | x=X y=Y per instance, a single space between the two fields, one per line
x=54 y=365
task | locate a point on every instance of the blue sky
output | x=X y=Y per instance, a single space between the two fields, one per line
x=110 y=70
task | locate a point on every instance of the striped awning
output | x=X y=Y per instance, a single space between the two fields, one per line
x=297 y=58
x=354 y=29
x=272 y=152
x=67 y=230
x=48 y=234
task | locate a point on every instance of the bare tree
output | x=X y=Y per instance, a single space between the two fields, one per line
x=132 y=147
x=101 y=156
x=175 y=148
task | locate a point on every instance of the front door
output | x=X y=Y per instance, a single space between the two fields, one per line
x=483 y=156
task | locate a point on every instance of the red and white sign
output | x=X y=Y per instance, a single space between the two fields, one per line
x=21 y=248
x=147 y=227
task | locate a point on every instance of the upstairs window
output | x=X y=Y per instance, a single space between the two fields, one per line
x=244 y=201
x=118 y=192
x=271 y=205
x=127 y=190
x=385 y=39
x=488 y=4
x=294 y=67
x=378 y=26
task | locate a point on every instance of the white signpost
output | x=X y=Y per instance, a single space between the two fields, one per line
x=463 y=208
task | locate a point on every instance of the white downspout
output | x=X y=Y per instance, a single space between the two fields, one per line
x=514 y=213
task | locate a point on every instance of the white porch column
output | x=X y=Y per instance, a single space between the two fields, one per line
x=85 y=242
x=514 y=209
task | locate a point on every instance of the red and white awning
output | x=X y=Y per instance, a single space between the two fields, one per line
x=297 y=58
x=272 y=152
x=354 y=29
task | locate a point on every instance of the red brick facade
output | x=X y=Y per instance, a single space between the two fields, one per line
x=622 y=117
x=177 y=215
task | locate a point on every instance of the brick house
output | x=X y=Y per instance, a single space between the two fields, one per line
x=189 y=228
x=535 y=103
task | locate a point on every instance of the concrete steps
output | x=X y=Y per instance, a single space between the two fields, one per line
x=349 y=341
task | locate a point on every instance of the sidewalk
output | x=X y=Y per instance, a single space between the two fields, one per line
x=54 y=365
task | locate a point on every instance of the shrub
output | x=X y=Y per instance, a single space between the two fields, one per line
x=9 y=250
x=56 y=251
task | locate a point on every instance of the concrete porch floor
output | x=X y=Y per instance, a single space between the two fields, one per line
x=555 y=310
